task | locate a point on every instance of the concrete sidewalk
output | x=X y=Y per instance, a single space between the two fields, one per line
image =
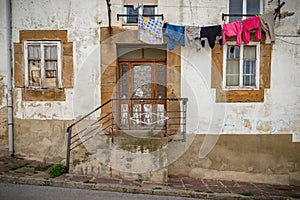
x=20 y=171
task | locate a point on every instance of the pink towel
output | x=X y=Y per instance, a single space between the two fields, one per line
x=248 y=25
x=232 y=29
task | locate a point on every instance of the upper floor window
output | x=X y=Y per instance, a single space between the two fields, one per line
x=42 y=64
x=241 y=66
x=139 y=10
x=244 y=7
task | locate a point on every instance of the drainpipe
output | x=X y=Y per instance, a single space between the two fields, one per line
x=9 y=79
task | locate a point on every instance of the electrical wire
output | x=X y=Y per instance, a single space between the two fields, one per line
x=292 y=43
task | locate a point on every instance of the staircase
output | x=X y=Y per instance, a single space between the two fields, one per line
x=137 y=150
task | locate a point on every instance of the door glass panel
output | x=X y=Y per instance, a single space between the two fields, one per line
x=147 y=114
x=124 y=81
x=142 y=81
x=161 y=81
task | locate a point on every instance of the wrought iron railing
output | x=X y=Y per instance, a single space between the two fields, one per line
x=164 y=114
x=145 y=15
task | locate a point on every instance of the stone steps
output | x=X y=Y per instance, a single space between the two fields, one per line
x=134 y=155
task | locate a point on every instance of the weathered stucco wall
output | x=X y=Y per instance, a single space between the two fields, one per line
x=3 y=119
x=81 y=22
x=254 y=158
x=278 y=113
x=44 y=140
x=40 y=126
x=129 y=158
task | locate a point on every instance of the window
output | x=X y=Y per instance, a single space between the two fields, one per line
x=241 y=66
x=244 y=7
x=42 y=64
x=142 y=10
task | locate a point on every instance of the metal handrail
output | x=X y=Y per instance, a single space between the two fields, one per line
x=107 y=122
x=69 y=131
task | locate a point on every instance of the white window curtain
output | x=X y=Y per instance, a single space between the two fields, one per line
x=249 y=66
x=34 y=65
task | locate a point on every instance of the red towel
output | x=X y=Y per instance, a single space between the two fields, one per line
x=232 y=29
x=248 y=25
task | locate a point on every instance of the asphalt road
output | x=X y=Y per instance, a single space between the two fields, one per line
x=32 y=192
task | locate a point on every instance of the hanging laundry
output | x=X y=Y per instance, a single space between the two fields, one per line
x=137 y=6
x=150 y=30
x=175 y=34
x=211 y=33
x=267 y=24
x=251 y=24
x=192 y=37
x=232 y=29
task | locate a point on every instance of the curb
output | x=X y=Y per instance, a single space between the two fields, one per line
x=122 y=188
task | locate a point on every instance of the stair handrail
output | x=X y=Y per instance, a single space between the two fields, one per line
x=69 y=130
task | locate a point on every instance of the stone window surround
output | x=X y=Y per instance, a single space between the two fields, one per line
x=29 y=94
x=232 y=96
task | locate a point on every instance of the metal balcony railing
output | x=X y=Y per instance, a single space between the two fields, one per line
x=164 y=114
x=145 y=15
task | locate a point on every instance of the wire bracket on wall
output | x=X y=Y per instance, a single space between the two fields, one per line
x=277 y=10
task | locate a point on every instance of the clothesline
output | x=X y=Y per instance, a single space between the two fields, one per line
x=152 y=31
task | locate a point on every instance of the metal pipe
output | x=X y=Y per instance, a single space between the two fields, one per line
x=69 y=131
x=9 y=79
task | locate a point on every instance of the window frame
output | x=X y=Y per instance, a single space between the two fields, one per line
x=261 y=9
x=241 y=65
x=59 y=64
x=140 y=12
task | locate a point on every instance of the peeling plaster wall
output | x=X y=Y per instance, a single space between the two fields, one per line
x=280 y=111
x=80 y=20
x=265 y=158
x=3 y=82
x=40 y=126
x=192 y=12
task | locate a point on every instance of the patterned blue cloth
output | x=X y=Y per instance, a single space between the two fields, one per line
x=150 y=30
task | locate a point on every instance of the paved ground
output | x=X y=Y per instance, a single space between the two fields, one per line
x=28 y=172
x=33 y=192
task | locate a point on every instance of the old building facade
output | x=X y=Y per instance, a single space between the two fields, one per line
x=235 y=107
